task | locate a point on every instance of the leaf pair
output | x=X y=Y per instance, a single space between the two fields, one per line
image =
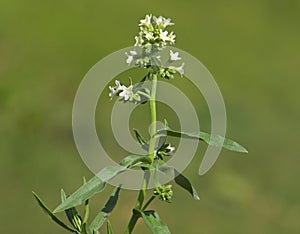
x=72 y=214
x=53 y=216
x=75 y=219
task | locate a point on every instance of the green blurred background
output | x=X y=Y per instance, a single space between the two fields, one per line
x=251 y=47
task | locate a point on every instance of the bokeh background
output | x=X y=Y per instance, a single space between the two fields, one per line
x=251 y=47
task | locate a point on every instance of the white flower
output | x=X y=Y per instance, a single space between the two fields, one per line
x=172 y=38
x=167 y=22
x=133 y=52
x=180 y=69
x=147 y=21
x=149 y=35
x=139 y=40
x=158 y=20
x=174 y=56
x=126 y=92
x=163 y=35
x=115 y=89
x=170 y=148
x=162 y=21
x=130 y=56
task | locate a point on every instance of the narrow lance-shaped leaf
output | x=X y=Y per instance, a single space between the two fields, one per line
x=135 y=160
x=141 y=140
x=155 y=224
x=139 y=85
x=97 y=183
x=105 y=212
x=184 y=182
x=214 y=140
x=109 y=228
x=53 y=217
x=179 y=179
x=145 y=145
x=86 y=213
x=72 y=214
x=86 y=207
x=93 y=186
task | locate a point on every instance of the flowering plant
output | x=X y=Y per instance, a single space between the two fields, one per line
x=151 y=41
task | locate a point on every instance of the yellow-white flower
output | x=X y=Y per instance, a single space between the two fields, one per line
x=172 y=38
x=130 y=56
x=146 y=22
x=174 y=56
x=167 y=22
x=163 y=35
x=180 y=69
x=115 y=89
x=126 y=92
x=149 y=36
x=158 y=20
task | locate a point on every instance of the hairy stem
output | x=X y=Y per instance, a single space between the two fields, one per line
x=153 y=117
x=139 y=203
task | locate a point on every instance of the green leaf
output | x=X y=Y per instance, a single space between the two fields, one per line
x=72 y=214
x=145 y=145
x=139 y=138
x=105 y=212
x=86 y=211
x=135 y=160
x=180 y=180
x=52 y=216
x=139 y=85
x=86 y=208
x=155 y=224
x=217 y=141
x=109 y=228
x=93 y=186
x=97 y=183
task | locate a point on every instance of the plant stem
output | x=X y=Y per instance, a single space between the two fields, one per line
x=148 y=203
x=135 y=215
x=138 y=207
x=153 y=117
x=142 y=192
x=144 y=94
x=134 y=218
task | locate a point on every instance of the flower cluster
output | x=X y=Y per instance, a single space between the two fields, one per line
x=148 y=53
x=166 y=71
x=126 y=93
x=164 y=192
x=153 y=31
x=150 y=44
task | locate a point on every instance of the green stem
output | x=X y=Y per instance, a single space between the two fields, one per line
x=144 y=94
x=134 y=218
x=138 y=207
x=148 y=203
x=135 y=213
x=142 y=192
x=153 y=117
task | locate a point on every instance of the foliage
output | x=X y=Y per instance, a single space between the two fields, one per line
x=152 y=38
